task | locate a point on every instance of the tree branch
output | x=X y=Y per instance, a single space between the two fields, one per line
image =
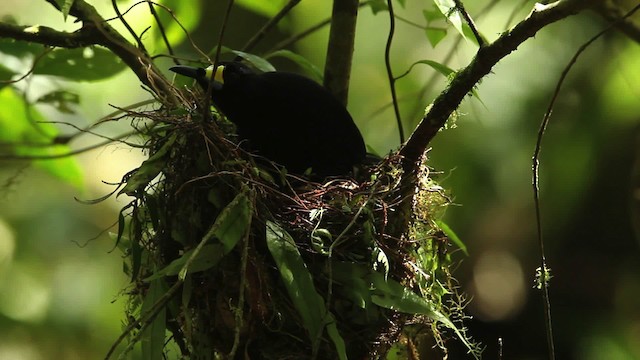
x=337 y=69
x=613 y=13
x=464 y=81
x=95 y=31
x=47 y=36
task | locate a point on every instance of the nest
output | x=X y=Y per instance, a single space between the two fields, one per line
x=237 y=259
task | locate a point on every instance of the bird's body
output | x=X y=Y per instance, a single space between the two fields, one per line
x=286 y=118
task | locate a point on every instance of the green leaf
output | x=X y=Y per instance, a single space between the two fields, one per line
x=208 y=257
x=334 y=335
x=233 y=222
x=302 y=292
x=303 y=62
x=19 y=49
x=66 y=7
x=321 y=240
x=355 y=285
x=266 y=8
x=380 y=261
x=433 y=14
x=25 y=129
x=377 y=6
x=452 y=236
x=152 y=340
x=259 y=62
x=441 y=68
x=398 y=351
x=83 y=64
x=469 y=35
x=149 y=169
x=61 y=100
x=435 y=35
x=449 y=10
x=392 y=295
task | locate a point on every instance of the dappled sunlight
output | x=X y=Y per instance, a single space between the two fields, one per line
x=498 y=286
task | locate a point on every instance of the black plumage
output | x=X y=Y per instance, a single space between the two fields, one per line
x=285 y=117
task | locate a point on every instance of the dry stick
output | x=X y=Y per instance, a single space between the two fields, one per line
x=387 y=62
x=535 y=181
x=337 y=70
x=270 y=25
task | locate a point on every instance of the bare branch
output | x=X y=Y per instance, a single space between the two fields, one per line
x=614 y=14
x=337 y=70
x=47 y=36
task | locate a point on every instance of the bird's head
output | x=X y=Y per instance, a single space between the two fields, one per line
x=228 y=71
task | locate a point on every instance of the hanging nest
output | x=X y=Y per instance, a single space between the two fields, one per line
x=236 y=259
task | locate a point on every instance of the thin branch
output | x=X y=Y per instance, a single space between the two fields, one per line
x=270 y=25
x=469 y=21
x=614 y=14
x=297 y=37
x=392 y=79
x=153 y=11
x=114 y=5
x=535 y=180
x=47 y=36
x=67 y=154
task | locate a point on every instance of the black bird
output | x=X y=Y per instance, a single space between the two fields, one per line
x=285 y=117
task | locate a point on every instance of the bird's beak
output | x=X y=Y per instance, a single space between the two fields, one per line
x=189 y=71
x=202 y=76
